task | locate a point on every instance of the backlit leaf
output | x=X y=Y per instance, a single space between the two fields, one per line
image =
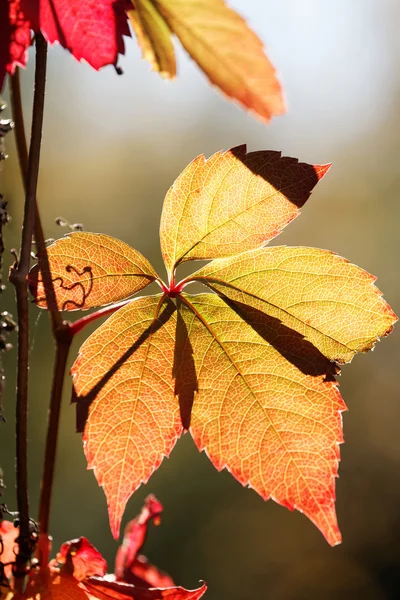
x=317 y=293
x=229 y=53
x=267 y=407
x=154 y=37
x=92 y=30
x=250 y=369
x=123 y=385
x=91 y=269
x=232 y=202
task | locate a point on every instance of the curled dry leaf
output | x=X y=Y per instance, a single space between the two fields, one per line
x=130 y=567
x=248 y=368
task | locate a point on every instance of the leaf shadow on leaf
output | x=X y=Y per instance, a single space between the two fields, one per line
x=184 y=370
x=282 y=172
x=84 y=401
x=289 y=343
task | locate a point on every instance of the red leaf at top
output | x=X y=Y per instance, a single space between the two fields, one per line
x=91 y=30
x=15 y=37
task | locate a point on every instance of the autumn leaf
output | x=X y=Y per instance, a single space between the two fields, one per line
x=232 y=202
x=154 y=37
x=248 y=368
x=122 y=378
x=229 y=53
x=314 y=292
x=91 y=31
x=267 y=406
x=90 y=269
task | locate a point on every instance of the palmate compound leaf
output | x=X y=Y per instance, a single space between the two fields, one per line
x=229 y=53
x=232 y=202
x=317 y=293
x=248 y=369
x=91 y=269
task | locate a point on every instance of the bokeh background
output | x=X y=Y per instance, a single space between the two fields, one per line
x=112 y=146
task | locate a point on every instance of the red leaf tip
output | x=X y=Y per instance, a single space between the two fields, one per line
x=322 y=170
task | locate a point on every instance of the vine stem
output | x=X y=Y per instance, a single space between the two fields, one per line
x=29 y=165
x=18 y=276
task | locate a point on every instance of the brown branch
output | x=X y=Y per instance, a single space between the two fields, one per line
x=18 y=275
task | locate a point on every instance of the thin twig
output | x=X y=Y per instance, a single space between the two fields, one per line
x=18 y=275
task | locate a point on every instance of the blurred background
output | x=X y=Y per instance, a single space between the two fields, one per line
x=112 y=146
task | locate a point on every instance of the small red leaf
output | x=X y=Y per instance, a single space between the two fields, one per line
x=91 y=30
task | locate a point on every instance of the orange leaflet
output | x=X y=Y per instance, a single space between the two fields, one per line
x=91 y=269
x=267 y=406
x=229 y=53
x=123 y=381
x=232 y=202
x=247 y=369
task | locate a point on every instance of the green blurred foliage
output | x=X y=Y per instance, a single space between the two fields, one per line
x=112 y=146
